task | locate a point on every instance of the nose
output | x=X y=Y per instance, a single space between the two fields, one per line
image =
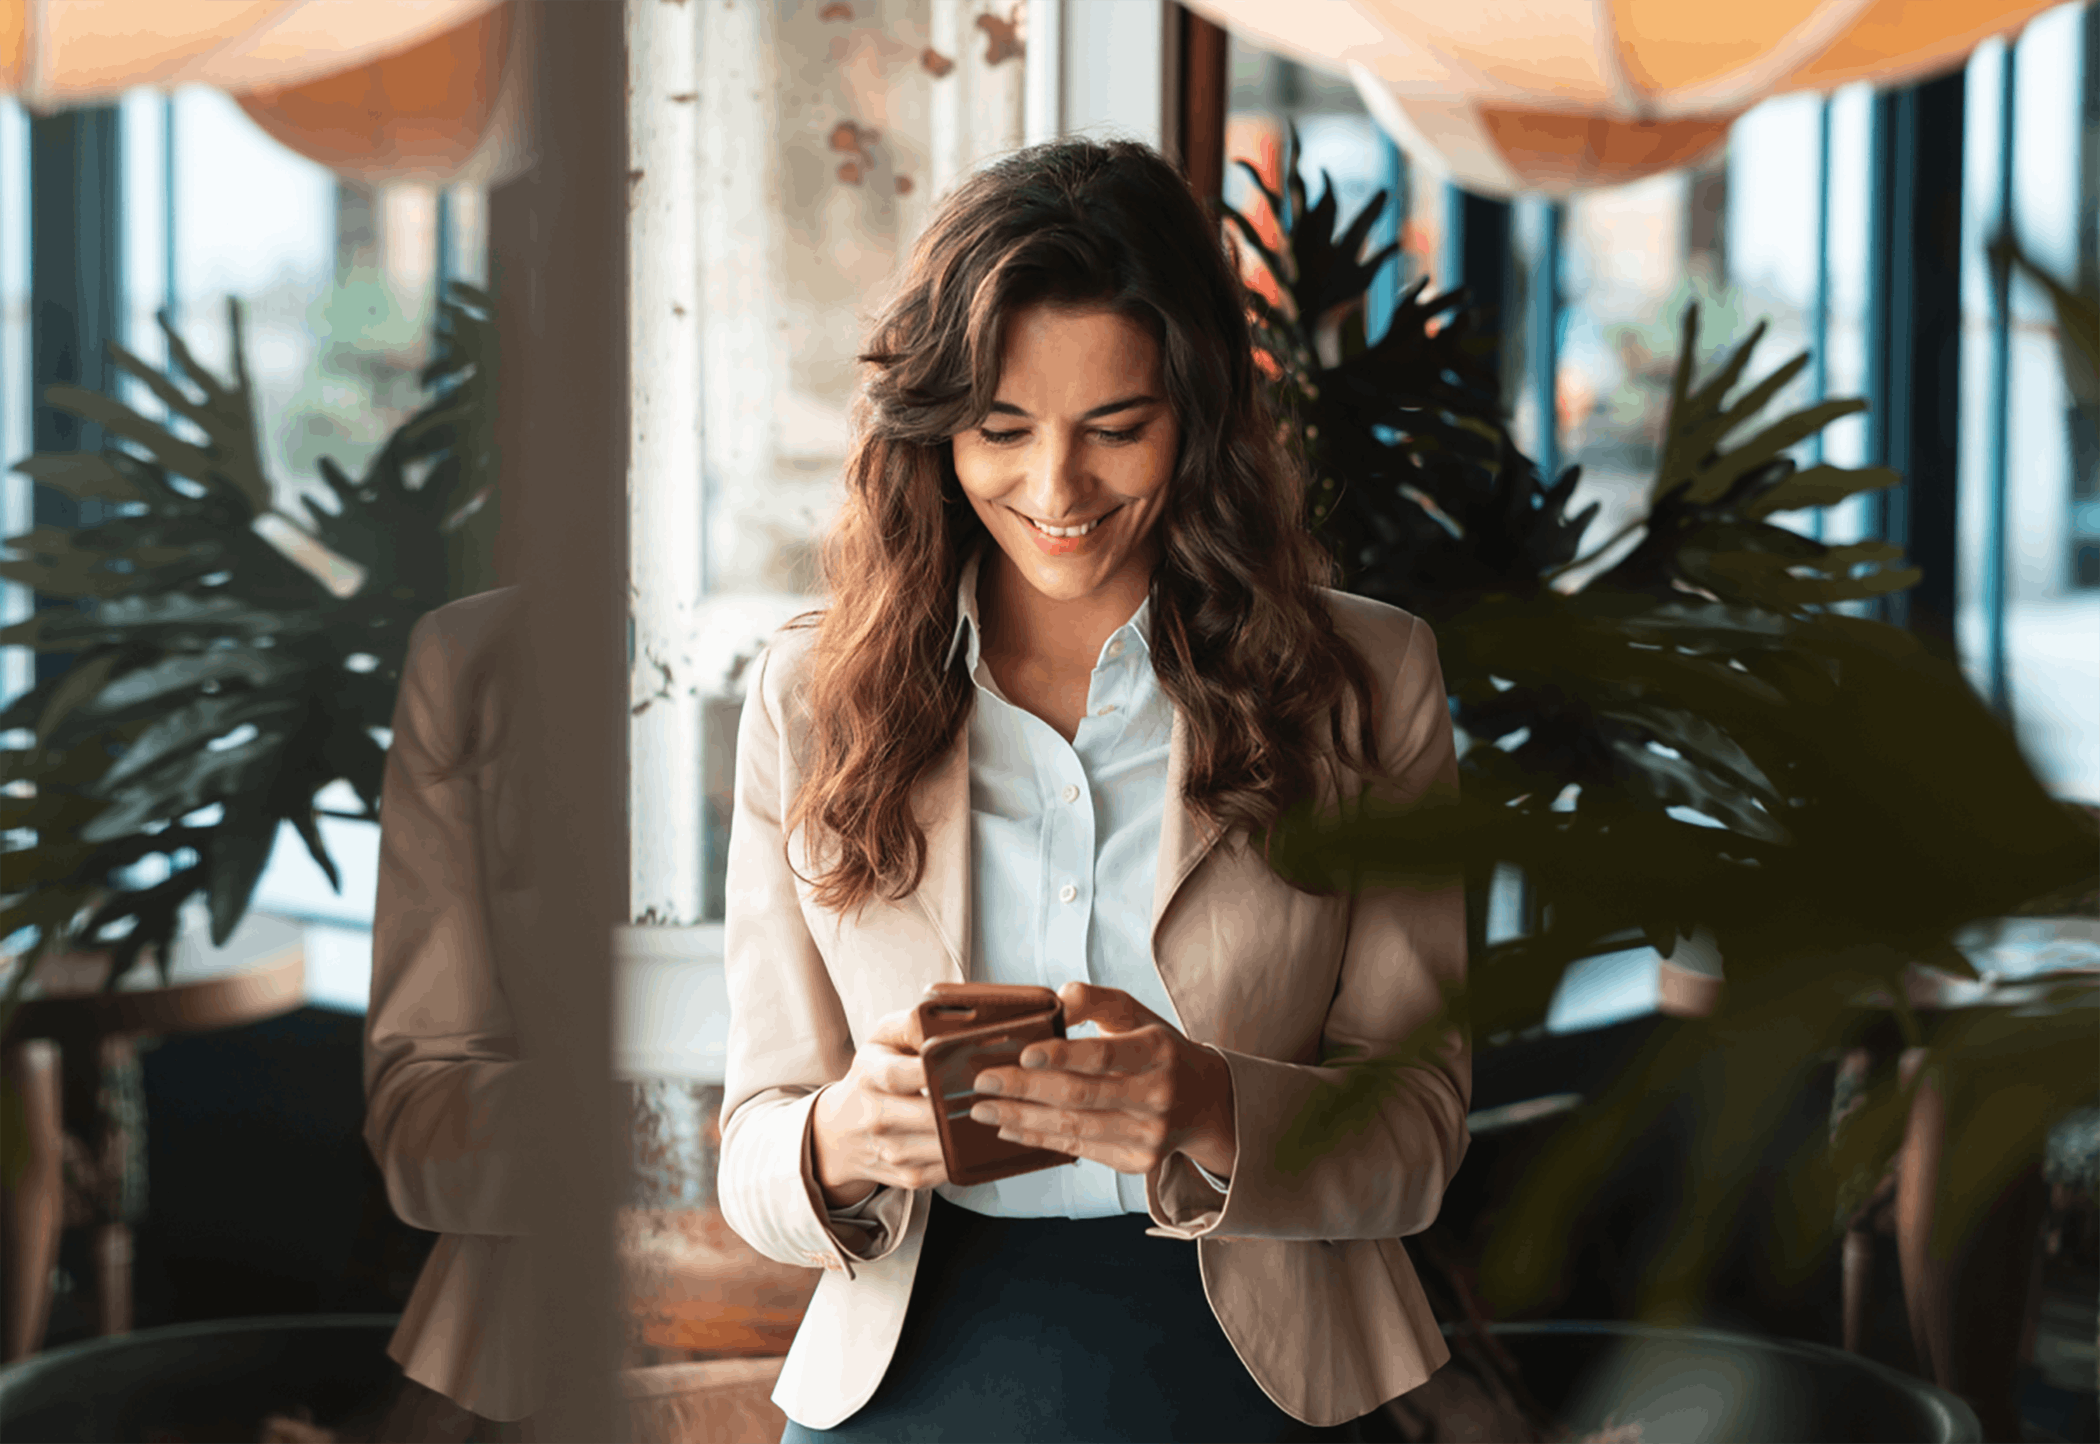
x=1057 y=486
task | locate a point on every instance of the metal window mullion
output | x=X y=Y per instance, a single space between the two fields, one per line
x=1819 y=320
x=75 y=295
x=1999 y=439
x=1476 y=256
x=1891 y=178
x=1391 y=229
x=444 y=272
x=169 y=295
x=1542 y=348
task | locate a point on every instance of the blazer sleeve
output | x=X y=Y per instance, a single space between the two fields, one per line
x=1405 y=951
x=788 y=1035
x=446 y=1115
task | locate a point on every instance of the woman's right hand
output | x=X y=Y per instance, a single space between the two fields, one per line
x=875 y=1125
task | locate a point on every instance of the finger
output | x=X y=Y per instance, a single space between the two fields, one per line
x=1107 y=1091
x=1122 y=1149
x=890 y=1116
x=908 y=1170
x=895 y=1151
x=901 y=1074
x=1132 y=1052
x=897 y=1030
x=1112 y=1008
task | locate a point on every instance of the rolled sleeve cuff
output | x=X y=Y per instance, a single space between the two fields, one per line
x=863 y=1232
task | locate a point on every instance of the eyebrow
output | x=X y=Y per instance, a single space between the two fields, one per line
x=1007 y=408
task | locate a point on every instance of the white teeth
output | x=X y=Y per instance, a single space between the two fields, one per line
x=1064 y=531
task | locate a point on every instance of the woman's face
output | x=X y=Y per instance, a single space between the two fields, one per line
x=1069 y=472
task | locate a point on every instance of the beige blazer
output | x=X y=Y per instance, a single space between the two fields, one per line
x=1305 y=1271
x=445 y=1113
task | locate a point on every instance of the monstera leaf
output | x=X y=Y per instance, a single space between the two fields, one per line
x=1678 y=727
x=1646 y=690
x=229 y=662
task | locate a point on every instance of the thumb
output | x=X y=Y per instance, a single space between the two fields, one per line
x=1112 y=1008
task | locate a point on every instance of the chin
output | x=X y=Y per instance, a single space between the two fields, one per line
x=1060 y=583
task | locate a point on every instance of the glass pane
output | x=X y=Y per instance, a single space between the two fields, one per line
x=1626 y=275
x=1774 y=161
x=1269 y=94
x=337 y=284
x=2051 y=625
x=255 y=222
x=17 y=664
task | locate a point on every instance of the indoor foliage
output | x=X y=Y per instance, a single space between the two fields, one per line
x=1707 y=731
x=226 y=662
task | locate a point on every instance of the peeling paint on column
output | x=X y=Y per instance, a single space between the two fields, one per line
x=1002 y=38
x=852 y=121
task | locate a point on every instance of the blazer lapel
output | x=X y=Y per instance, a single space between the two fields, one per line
x=1185 y=838
x=944 y=892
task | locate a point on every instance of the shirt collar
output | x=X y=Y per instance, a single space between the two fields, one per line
x=968 y=637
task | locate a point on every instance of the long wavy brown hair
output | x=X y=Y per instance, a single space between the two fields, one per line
x=1242 y=640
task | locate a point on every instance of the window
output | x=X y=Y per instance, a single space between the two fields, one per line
x=1777 y=228
x=1267 y=96
x=2029 y=581
x=337 y=284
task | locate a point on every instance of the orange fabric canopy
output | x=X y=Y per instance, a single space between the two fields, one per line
x=428 y=90
x=1552 y=96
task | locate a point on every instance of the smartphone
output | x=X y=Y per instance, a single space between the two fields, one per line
x=963 y=1029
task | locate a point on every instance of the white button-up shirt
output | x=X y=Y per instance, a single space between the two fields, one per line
x=1064 y=849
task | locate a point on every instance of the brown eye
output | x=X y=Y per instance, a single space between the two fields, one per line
x=998 y=438
x=1120 y=438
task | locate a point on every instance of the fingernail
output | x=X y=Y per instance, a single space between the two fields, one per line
x=985 y=1113
x=989 y=1083
x=1034 y=1060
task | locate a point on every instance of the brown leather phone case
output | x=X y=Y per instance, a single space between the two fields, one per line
x=963 y=1029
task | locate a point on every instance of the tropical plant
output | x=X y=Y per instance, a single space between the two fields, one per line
x=227 y=661
x=1686 y=726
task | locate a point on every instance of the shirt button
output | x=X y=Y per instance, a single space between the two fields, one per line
x=1115 y=649
x=1071 y=793
x=1104 y=711
x=1066 y=893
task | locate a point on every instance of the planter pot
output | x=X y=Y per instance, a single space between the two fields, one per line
x=1705 y=1386
x=215 y=1380
x=219 y=1380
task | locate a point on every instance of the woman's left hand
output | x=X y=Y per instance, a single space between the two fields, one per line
x=1127 y=1098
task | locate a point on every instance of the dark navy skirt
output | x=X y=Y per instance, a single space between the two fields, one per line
x=1061 y=1329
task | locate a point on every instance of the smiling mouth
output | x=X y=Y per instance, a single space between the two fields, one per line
x=1068 y=532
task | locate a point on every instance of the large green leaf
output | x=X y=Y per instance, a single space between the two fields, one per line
x=1869 y=805
x=192 y=628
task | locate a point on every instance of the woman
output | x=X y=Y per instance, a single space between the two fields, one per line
x=446 y=1110
x=1076 y=655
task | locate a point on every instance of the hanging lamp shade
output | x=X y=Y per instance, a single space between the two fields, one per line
x=429 y=90
x=1554 y=96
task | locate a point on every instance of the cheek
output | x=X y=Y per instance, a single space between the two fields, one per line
x=970 y=476
x=1154 y=471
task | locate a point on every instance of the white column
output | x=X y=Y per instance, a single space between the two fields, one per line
x=979 y=107
x=1112 y=64
x=741 y=365
x=1045 y=119
x=664 y=493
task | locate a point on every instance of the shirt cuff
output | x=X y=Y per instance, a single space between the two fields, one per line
x=1222 y=1185
x=860 y=1210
